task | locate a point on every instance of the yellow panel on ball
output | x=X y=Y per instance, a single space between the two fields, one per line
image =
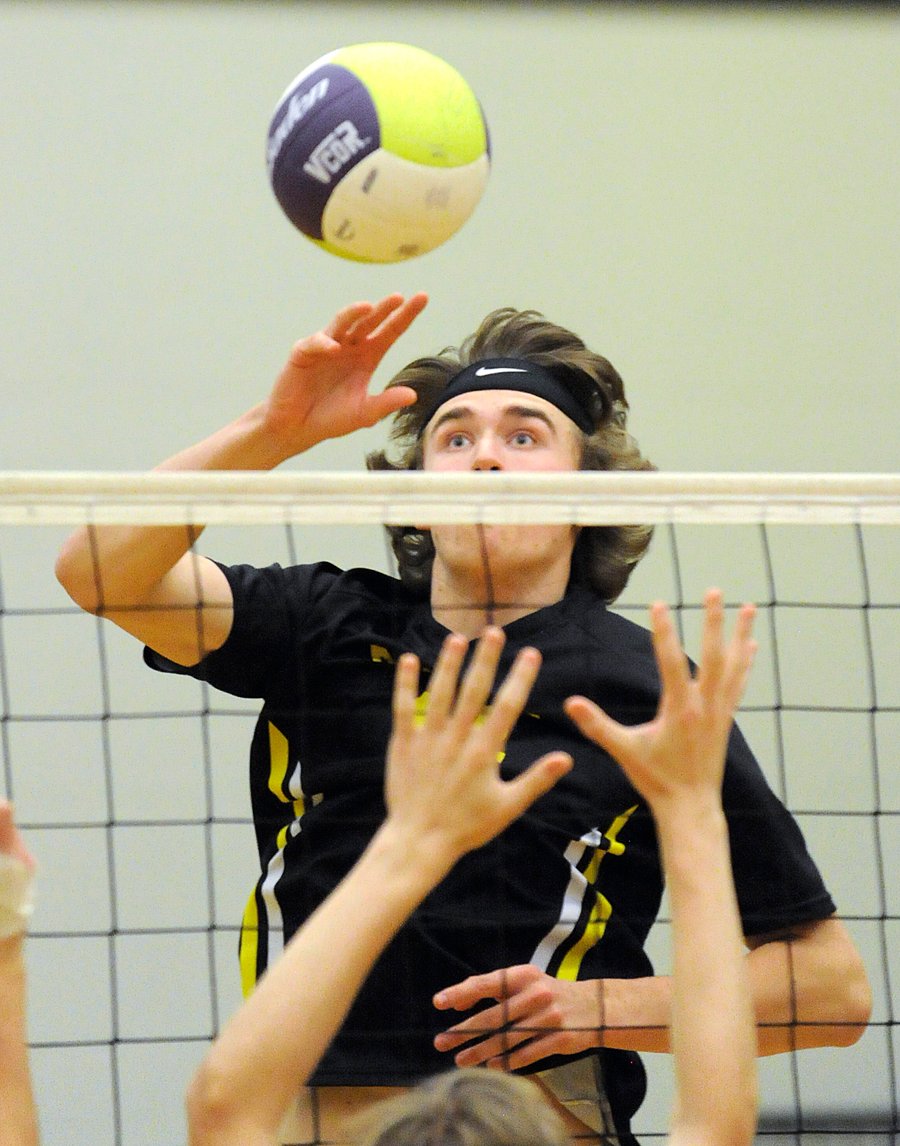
x=426 y=110
x=378 y=152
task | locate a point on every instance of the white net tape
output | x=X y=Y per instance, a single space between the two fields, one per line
x=396 y=498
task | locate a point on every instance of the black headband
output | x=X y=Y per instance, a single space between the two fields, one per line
x=516 y=374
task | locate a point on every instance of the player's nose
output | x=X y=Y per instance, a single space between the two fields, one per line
x=487 y=454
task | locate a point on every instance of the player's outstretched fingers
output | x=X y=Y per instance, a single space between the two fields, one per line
x=346 y=319
x=380 y=323
x=406 y=687
x=593 y=723
x=712 y=646
x=398 y=319
x=537 y=779
x=11 y=841
x=16 y=897
x=479 y=677
x=368 y=321
x=740 y=655
x=388 y=402
x=443 y=681
x=674 y=670
x=513 y=694
x=7 y=827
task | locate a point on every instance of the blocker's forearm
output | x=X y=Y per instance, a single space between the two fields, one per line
x=18 y=1117
x=713 y=1031
x=273 y=1043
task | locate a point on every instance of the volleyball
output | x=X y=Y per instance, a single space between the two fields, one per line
x=378 y=152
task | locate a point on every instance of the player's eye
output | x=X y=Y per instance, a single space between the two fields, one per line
x=522 y=438
x=456 y=441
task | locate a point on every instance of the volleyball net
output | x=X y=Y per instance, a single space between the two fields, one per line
x=131 y=786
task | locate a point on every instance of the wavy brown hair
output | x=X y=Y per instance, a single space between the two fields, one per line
x=604 y=556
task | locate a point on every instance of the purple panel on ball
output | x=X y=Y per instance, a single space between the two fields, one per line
x=320 y=130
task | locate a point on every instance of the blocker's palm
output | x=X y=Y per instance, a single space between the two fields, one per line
x=11 y=842
x=443 y=778
x=684 y=745
x=323 y=390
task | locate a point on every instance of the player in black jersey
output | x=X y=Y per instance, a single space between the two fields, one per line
x=548 y=921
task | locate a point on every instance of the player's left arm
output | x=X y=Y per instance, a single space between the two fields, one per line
x=808 y=987
x=18 y=1116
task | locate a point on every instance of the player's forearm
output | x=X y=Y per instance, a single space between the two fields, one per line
x=713 y=1032
x=275 y=1040
x=809 y=992
x=18 y=1117
x=638 y=1013
x=121 y=565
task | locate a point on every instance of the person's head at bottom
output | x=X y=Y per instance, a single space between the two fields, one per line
x=467 y=1107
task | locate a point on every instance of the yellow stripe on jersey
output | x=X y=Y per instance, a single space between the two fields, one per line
x=279 y=759
x=421 y=711
x=278 y=762
x=287 y=792
x=421 y=708
x=592 y=934
x=595 y=927
x=249 y=945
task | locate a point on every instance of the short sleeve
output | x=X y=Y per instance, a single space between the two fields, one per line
x=271 y=605
x=777 y=882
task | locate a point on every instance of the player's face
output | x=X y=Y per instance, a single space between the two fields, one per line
x=502 y=431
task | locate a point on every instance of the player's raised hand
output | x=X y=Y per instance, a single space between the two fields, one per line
x=443 y=781
x=16 y=876
x=323 y=390
x=11 y=842
x=684 y=746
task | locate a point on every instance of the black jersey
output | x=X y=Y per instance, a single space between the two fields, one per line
x=573 y=886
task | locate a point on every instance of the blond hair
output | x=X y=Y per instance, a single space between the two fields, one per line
x=466 y=1107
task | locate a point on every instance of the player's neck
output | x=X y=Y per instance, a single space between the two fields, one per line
x=466 y=607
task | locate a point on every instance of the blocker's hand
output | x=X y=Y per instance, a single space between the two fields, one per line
x=682 y=750
x=443 y=784
x=11 y=842
x=16 y=875
x=323 y=390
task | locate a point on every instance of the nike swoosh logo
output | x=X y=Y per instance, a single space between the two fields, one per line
x=483 y=371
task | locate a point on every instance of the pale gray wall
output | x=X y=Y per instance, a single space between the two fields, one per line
x=708 y=197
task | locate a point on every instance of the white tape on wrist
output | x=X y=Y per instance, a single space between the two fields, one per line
x=16 y=896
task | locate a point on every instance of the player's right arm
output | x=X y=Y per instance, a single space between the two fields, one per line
x=147 y=579
x=18 y=1115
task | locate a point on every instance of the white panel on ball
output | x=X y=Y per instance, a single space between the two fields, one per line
x=404 y=211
